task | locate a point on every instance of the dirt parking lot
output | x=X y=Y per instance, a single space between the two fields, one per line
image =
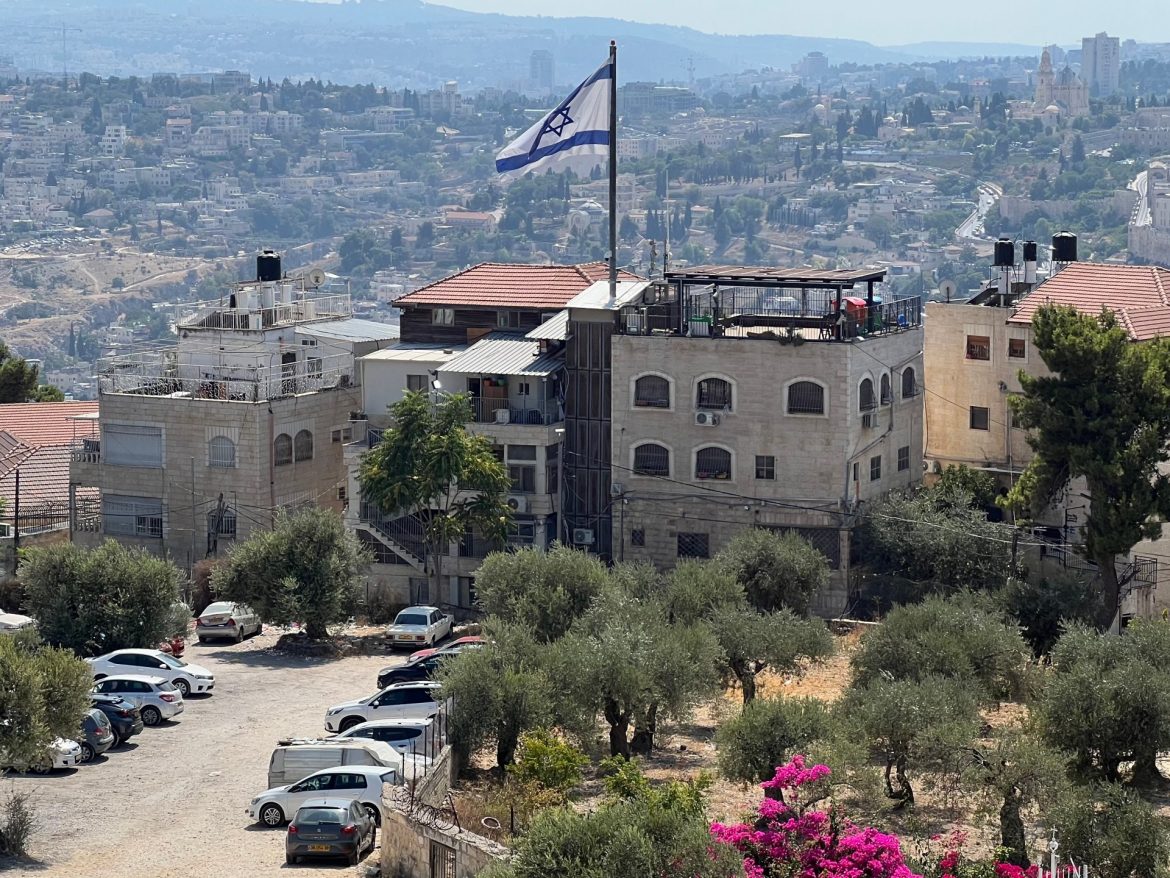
x=171 y=803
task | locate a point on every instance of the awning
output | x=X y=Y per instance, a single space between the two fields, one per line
x=502 y=353
x=556 y=328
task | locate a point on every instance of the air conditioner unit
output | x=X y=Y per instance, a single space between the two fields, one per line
x=867 y=420
x=503 y=416
x=518 y=504
x=582 y=536
x=707 y=419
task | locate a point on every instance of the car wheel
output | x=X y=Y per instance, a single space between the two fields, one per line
x=184 y=687
x=355 y=855
x=202 y=640
x=291 y=859
x=151 y=716
x=271 y=815
x=375 y=814
x=87 y=753
x=349 y=722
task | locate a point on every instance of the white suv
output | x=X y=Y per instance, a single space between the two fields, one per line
x=416 y=700
x=154 y=663
x=156 y=699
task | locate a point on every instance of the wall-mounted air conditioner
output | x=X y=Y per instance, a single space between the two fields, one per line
x=707 y=419
x=582 y=536
x=518 y=503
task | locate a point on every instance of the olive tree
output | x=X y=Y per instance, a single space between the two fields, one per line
x=306 y=569
x=775 y=570
x=766 y=733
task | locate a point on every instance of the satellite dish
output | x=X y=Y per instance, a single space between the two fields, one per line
x=947 y=288
x=317 y=277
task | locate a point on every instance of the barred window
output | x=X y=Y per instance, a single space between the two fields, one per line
x=714 y=393
x=132 y=516
x=282 y=450
x=909 y=383
x=713 y=463
x=866 y=403
x=221 y=451
x=887 y=393
x=693 y=545
x=223 y=524
x=806 y=398
x=651 y=459
x=303 y=446
x=638 y=537
x=652 y=391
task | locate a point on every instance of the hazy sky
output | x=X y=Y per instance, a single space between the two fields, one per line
x=890 y=22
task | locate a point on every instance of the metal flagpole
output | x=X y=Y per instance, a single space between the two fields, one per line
x=613 y=254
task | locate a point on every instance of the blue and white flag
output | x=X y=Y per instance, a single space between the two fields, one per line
x=579 y=126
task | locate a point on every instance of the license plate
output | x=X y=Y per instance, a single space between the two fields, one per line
x=406 y=637
x=318 y=848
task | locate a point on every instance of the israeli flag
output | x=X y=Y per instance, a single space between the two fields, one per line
x=579 y=126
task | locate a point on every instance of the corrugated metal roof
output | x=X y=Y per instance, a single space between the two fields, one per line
x=556 y=328
x=502 y=353
x=351 y=329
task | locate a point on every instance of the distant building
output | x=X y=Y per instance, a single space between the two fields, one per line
x=230 y=80
x=813 y=66
x=1063 y=91
x=1101 y=63
x=542 y=69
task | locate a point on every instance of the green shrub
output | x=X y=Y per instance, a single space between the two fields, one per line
x=547 y=761
x=18 y=825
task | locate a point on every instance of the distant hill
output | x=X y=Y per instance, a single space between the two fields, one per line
x=939 y=51
x=396 y=42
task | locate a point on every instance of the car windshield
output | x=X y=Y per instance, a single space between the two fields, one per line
x=214 y=609
x=319 y=815
x=410 y=619
x=172 y=661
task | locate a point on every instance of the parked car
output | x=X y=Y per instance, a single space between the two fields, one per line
x=10 y=623
x=472 y=641
x=224 y=619
x=156 y=699
x=294 y=760
x=417 y=700
x=423 y=670
x=418 y=737
x=97 y=735
x=187 y=678
x=416 y=626
x=61 y=754
x=329 y=828
x=276 y=806
x=125 y=719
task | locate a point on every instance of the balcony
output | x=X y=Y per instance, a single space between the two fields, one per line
x=504 y=410
x=86 y=451
x=302 y=309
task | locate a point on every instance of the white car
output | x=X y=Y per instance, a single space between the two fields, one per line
x=415 y=737
x=228 y=620
x=156 y=699
x=154 y=663
x=419 y=626
x=416 y=700
x=361 y=782
x=62 y=754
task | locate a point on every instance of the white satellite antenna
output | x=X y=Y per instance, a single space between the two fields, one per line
x=316 y=277
x=947 y=288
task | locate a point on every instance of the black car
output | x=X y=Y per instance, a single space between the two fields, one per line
x=124 y=717
x=423 y=670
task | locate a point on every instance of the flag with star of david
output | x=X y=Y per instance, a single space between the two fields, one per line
x=578 y=126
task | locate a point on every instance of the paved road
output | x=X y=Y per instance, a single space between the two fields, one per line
x=972 y=227
x=171 y=803
x=1141 y=209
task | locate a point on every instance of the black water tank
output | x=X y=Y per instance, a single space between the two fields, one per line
x=1064 y=247
x=268 y=266
x=1029 y=251
x=1005 y=253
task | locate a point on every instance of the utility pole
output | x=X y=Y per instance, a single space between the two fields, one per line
x=191 y=565
x=16 y=522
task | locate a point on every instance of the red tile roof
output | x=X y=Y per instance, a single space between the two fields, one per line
x=503 y=285
x=47 y=423
x=1138 y=294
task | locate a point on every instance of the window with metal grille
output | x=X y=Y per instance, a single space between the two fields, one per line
x=980 y=418
x=826 y=540
x=909 y=383
x=904 y=458
x=282 y=449
x=638 y=537
x=714 y=393
x=693 y=545
x=651 y=459
x=875 y=467
x=652 y=391
x=1017 y=348
x=222 y=524
x=978 y=347
x=442 y=861
x=806 y=398
x=132 y=445
x=221 y=451
x=887 y=393
x=713 y=463
x=865 y=398
x=303 y=445
x=132 y=516
x=416 y=383
x=765 y=466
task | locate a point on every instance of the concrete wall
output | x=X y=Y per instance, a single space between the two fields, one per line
x=406 y=848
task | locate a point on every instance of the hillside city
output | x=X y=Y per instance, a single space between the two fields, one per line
x=816 y=528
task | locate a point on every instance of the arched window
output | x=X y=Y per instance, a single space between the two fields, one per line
x=221 y=451
x=909 y=383
x=713 y=463
x=805 y=398
x=713 y=393
x=887 y=393
x=652 y=459
x=652 y=391
x=303 y=445
x=866 y=402
x=282 y=449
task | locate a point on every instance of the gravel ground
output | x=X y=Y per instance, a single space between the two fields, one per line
x=172 y=801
